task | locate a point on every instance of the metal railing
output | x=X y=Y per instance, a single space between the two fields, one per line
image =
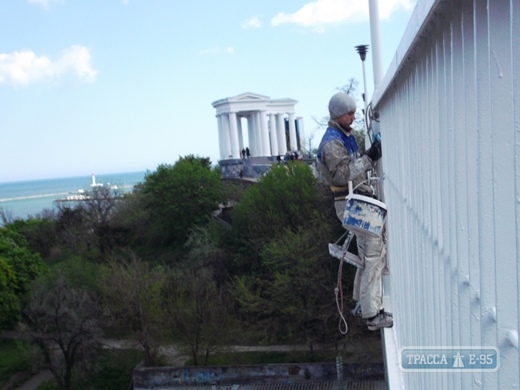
x=449 y=110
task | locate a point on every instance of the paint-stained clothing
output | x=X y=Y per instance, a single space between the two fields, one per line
x=339 y=159
x=339 y=162
x=368 y=285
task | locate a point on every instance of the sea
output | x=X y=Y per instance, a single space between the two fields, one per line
x=22 y=199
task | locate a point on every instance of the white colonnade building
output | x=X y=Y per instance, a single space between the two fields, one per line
x=272 y=128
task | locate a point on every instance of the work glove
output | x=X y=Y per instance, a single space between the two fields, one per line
x=374 y=152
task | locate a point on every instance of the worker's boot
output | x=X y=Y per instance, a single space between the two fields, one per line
x=381 y=320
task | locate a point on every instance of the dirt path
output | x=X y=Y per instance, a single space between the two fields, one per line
x=175 y=356
x=36 y=380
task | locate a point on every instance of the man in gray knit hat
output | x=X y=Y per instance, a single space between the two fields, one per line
x=340 y=161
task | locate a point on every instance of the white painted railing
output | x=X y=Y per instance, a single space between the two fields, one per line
x=450 y=121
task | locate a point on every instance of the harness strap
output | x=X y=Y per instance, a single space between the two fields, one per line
x=339 y=193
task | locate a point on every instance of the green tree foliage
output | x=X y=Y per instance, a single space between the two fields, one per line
x=71 y=227
x=40 y=234
x=85 y=223
x=25 y=264
x=234 y=190
x=268 y=264
x=65 y=319
x=198 y=312
x=9 y=301
x=284 y=280
x=286 y=198
x=98 y=206
x=302 y=284
x=206 y=247
x=115 y=369
x=180 y=197
x=20 y=267
x=131 y=220
x=132 y=292
x=80 y=273
x=294 y=300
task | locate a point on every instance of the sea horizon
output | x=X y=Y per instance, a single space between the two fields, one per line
x=23 y=198
x=73 y=176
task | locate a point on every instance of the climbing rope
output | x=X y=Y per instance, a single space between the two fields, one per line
x=338 y=290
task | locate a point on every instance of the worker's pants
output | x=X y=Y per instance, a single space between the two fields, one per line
x=367 y=283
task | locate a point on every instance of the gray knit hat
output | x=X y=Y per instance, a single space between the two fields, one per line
x=339 y=104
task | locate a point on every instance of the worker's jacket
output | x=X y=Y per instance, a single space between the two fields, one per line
x=339 y=161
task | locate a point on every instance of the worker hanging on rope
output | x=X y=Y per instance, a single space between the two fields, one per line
x=339 y=162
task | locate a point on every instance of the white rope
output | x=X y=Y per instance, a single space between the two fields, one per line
x=338 y=291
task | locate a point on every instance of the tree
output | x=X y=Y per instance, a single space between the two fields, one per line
x=25 y=264
x=71 y=227
x=86 y=220
x=20 y=267
x=302 y=284
x=9 y=301
x=98 y=206
x=180 y=197
x=63 y=316
x=131 y=220
x=132 y=291
x=40 y=233
x=309 y=148
x=206 y=248
x=292 y=300
x=286 y=198
x=199 y=312
x=282 y=275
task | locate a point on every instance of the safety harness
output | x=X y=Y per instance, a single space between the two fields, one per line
x=349 y=141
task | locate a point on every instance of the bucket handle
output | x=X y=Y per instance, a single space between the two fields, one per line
x=364 y=181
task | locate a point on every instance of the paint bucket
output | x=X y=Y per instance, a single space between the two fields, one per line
x=364 y=215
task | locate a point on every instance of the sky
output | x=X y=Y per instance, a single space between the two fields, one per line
x=109 y=86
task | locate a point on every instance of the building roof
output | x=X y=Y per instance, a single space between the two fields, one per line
x=249 y=101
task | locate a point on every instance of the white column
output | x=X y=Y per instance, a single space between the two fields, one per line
x=292 y=133
x=258 y=135
x=240 y=135
x=251 y=131
x=280 y=131
x=266 y=147
x=273 y=135
x=221 y=152
x=302 y=133
x=225 y=136
x=233 y=135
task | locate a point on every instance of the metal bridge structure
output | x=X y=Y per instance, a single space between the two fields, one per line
x=449 y=116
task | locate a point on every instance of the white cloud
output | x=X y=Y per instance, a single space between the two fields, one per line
x=24 y=67
x=319 y=13
x=253 y=22
x=44 y=3
x=217 y=50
